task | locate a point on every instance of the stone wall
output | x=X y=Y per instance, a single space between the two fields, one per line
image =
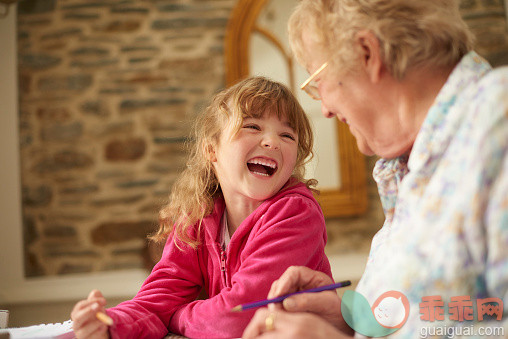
x=487 y=20
x=107 y=90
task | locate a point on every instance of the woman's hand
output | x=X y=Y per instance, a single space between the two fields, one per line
x=290 y=325
x=84 y=320
x=325 y=304
x=325 y=307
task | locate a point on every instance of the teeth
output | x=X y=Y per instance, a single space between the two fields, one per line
x=264 y=162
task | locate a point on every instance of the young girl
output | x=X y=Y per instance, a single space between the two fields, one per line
x=240 y=214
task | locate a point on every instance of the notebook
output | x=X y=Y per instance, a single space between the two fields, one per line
x=42 y=331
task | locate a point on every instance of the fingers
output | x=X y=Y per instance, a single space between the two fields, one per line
x=96 y=296
x=297 y=278
x=280 y=325
x=325 y=307
x=316 y=302
x=275 y=306
x=84 y=312
x=95 y=330
x=100 y=333
x=324 y=304
x=257 y=325
x=83 y=315
x=289 y=325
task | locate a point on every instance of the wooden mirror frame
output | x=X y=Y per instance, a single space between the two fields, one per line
x=351 y=198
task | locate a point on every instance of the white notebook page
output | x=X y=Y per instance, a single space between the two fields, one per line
x=42 y=331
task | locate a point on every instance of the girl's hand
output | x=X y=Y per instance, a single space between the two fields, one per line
x=84 y=320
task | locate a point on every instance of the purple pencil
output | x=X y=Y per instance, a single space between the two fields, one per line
x=265 y=302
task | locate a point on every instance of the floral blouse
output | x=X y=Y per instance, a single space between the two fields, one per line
x=445 y=236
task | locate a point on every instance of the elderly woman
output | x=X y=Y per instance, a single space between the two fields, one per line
x=403 y=76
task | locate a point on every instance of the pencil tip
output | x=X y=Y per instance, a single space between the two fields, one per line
x=237 y=308
x=104 y=318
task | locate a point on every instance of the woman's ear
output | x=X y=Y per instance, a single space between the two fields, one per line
x=370 y=54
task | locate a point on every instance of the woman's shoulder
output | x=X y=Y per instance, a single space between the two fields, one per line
x=494 y=85
x=488 y=99
x=497 y=75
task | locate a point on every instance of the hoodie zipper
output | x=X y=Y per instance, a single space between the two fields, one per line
x=223 y=266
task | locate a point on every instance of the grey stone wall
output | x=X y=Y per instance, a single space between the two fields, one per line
x=107 y=90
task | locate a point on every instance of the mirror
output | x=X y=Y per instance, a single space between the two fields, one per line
x=256 y=44
x=5 y=7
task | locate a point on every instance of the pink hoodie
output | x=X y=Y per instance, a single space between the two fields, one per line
x=287 y=229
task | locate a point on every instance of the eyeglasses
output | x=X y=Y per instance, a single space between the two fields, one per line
x=310 y=86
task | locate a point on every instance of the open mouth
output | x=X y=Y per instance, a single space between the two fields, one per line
x=262 y=166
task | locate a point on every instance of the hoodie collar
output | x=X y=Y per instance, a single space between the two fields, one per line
x=212 y=222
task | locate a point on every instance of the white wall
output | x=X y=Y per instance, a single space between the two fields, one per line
x=506 y=10
x=10 y=212
x=14 y=287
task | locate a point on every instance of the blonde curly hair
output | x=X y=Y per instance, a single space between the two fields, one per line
x=411 y=33
x=193 y=194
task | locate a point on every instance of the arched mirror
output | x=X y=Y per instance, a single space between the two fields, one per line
x=256 y=44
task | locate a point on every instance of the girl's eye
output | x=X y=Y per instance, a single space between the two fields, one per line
x=251 y=126
x=289 y=136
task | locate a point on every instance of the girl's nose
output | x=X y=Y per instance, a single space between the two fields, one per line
x=270 y=142
x=271 y=146
x=326 y=112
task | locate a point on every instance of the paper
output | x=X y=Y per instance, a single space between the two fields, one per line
x=43 y=331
